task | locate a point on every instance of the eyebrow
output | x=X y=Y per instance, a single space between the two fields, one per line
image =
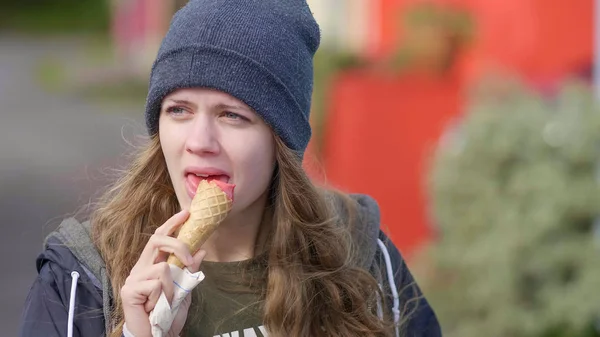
x=233 y=106
x=180 y=101
x=170 y=101
x=218 y=106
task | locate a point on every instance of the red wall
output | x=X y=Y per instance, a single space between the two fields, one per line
x=379 y=133
x=380 y=129
x=539 y=39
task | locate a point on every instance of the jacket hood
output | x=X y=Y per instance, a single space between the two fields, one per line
x=57 y=252
x=364 y=227
x=71 y=247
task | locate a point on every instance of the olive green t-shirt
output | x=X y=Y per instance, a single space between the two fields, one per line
x=228 y=302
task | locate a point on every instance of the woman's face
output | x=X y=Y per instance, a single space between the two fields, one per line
x=206 y=133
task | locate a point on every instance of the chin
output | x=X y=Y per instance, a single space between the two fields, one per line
x=184 y=201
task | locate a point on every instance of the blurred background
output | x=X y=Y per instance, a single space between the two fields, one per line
x=474 y=123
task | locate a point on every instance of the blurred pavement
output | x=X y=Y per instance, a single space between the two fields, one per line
x=53 y=152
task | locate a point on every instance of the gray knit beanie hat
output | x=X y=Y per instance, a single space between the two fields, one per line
x=259 y=51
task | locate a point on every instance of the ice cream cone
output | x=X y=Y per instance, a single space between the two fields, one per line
x=209 y=208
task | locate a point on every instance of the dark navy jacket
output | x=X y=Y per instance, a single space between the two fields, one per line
x=47 y=305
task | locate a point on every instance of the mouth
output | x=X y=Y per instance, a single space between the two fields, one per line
x=193 y=179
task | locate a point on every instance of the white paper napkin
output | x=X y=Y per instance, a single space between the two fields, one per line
x=163 y=314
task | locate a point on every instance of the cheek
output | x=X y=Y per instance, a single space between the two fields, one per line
x=172 y=136
x=254 y=163
x=166 y=145
x=170 y=143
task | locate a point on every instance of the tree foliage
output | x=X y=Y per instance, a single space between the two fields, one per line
x=515 y=193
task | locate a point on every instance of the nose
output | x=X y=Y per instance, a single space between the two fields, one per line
x=202 y=136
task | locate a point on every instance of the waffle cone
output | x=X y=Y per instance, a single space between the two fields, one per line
x=209 y=208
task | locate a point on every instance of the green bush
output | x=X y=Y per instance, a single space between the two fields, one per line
x=55 y=16
x=515 y=193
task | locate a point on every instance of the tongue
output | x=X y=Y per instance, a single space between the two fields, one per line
x=219 y=180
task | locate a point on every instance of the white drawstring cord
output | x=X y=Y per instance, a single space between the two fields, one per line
x=75 y=277
x=379 y=305
x=393 y=288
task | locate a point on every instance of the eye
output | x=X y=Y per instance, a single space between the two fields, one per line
x=234 y=116
x=175 y=111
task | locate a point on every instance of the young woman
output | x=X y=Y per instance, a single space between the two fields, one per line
x=229 y=99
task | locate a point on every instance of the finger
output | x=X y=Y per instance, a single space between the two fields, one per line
x=138 y=293
x=171 y=225
x=154 y=289
x=153 y=272
x=156 y=248
x=198 y=257
x=160 y=271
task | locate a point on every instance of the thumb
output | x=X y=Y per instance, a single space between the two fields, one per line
x=198 y=257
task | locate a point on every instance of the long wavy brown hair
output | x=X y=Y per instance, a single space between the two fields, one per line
x=314 y=286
